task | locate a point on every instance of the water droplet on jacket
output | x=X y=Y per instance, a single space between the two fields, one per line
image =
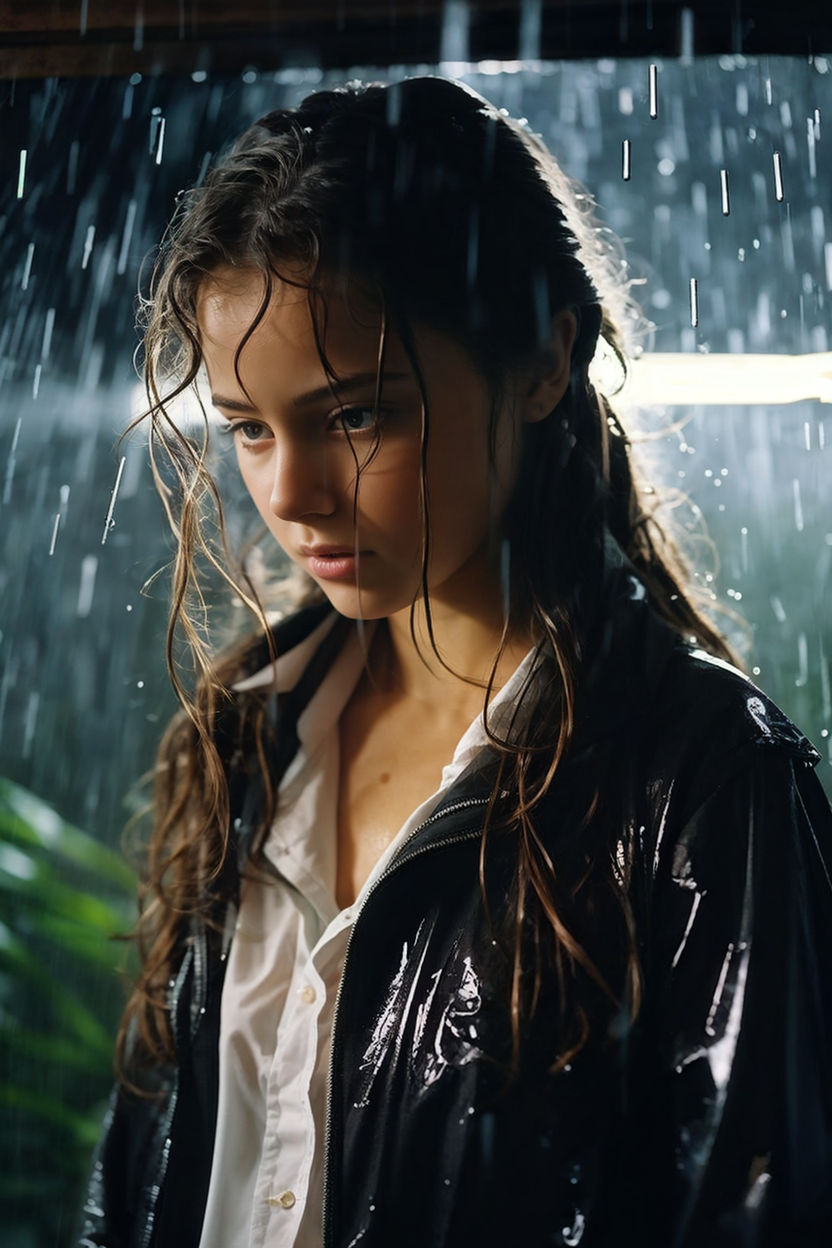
x=574 y=1234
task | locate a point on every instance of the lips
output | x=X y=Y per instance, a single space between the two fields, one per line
x=333 y=563
x=329 y=552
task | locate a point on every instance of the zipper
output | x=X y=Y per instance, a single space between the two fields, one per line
x=399 y=861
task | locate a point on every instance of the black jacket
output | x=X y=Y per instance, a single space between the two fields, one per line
x=709 y=1122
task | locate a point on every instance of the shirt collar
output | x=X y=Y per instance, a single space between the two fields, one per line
x=331 y=697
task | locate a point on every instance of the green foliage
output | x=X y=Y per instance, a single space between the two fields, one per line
x=63 y=898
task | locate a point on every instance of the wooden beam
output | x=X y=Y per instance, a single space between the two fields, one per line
x=188 y=19
x=69 y=38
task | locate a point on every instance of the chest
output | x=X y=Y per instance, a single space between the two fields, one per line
x=391 y=760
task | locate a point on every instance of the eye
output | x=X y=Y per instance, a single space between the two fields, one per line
x=248 y=432
x=355 y=419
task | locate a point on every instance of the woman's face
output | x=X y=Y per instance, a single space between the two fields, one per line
x=298 y=447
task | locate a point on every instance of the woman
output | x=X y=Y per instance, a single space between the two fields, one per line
x=487 y=903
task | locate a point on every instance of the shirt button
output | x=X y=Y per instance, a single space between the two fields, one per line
x=307 y=994
x=285 y=1200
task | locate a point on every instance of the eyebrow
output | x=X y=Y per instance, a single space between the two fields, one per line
x=340 y=387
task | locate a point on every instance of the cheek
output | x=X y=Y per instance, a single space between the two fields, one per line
x=252 y=479
x=461 y=508
x=257 y=480
x=462 y=484
x=388 y=491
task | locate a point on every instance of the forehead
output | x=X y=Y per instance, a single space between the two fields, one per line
x=230 y=300
x=283 y=347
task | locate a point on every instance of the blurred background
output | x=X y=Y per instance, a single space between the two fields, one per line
x=106 y=112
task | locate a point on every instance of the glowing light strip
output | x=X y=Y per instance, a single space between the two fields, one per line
x=676 y=379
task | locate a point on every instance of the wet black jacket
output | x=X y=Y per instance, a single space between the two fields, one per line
x=708 y=1123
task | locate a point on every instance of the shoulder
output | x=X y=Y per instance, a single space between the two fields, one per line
x=672 y=712
x=709 y=701
x=675 y=718
x=721 y=754
x=687 y=699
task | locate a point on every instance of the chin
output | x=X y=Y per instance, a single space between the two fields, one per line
x=370 y=605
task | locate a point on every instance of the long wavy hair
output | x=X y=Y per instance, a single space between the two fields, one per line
x=459 y=219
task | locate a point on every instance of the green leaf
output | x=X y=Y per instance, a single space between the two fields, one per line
x=83 y=1128
x=29 y=884
x=62 y=897
x=52 y=1049
x=19 y=963
x=28 y=822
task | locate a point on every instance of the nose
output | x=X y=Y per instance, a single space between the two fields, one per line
x=302 y=484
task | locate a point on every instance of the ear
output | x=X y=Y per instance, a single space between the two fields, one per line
x=550 y=378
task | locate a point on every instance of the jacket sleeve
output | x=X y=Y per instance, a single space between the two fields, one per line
x=127 y=1167
x=116 y=1210
x=150 y=1173
x=741 y=1010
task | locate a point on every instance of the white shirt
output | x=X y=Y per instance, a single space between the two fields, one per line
x=284 y=967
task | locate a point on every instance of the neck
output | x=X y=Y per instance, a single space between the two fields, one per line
x=453 y=673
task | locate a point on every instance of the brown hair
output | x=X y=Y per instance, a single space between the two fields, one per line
x=460 y=219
